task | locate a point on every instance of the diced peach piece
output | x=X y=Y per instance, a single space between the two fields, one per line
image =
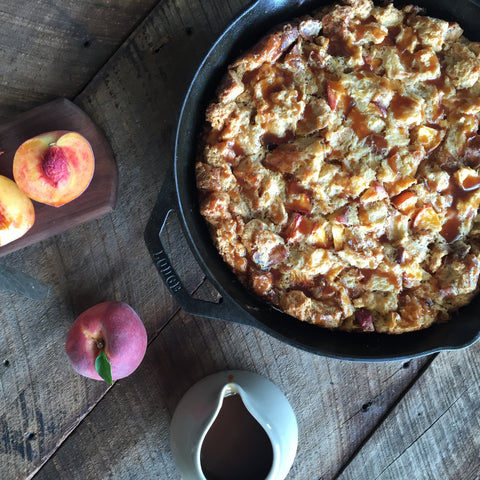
x=467 y=179
x=377 y=143
x=472 y=151
x=405 y=202
x=295 y=187
x=471 y=183
x=363 y=317
x=277 y=212
x=292 y=233
x=429 y=138
x=337 y=97
x=319 y=235
x=374 y=193
x=297 y=228
x=334 y=93
x=393 y=162
x=54 y=168
x=371 y=64
x=342 y=216
x=17 y=214
x=427 y=219
x=278 y=255
x=301 y=204
x=338 y=237
x=400 y=185
x=381 y=108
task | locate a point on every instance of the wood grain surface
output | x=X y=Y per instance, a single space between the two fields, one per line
x=356 y=420
x=435 y=430
x=100 y=196
x=52 y=49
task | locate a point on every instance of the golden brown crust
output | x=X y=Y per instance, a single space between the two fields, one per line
x=340 y=170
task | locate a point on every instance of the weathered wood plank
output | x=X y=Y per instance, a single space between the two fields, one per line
x=127 y=434
x=50 y=49
x=434 y=432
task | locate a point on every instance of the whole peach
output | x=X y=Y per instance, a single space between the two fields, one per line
x=113 y=327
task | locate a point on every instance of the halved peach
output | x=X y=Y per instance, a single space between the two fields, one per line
x=17 y=213
x=54 y=168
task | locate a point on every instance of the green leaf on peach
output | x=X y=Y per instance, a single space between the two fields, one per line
x=102 y=366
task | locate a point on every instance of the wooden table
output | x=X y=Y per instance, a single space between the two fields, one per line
x=127 y=64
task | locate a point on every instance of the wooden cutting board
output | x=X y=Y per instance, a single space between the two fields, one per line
x=98 y=199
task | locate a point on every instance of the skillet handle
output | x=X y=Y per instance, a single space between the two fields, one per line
x=226 y=309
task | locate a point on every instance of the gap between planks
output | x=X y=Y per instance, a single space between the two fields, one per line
x=122 y=42
x=387 y=413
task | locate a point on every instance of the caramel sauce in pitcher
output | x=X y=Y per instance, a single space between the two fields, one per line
x=236 y=446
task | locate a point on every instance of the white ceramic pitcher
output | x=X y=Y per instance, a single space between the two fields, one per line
x=199 y=407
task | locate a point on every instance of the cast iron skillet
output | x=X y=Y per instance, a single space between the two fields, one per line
x=238 y=304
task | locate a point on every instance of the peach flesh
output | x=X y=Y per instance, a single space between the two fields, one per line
x=113 y=326
x=54 y=168
x=17 y=214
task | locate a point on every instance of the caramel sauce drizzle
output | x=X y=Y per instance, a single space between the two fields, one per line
x=368 y=273
x=451 y=228
x=401 y=106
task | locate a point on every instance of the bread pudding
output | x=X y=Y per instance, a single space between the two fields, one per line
x=339 y=171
